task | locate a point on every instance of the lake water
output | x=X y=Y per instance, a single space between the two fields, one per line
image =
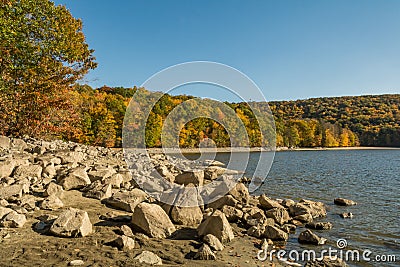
x=369 y=177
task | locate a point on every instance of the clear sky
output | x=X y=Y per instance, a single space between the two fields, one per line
x=291 y=49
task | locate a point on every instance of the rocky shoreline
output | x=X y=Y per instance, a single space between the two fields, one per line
x=63 y=203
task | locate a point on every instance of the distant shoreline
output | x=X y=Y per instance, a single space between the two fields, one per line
x=261 y=149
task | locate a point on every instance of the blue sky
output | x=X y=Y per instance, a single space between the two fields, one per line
x=290 y=49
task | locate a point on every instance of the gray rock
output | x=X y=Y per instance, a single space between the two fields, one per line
x=28 y=171
x=308 y=237
x=226 y=200
x=213 y=172
x=344 y=202
x=72 y=223
x=241 y=193
x=53 y=189
x=204 y=253
x=52 y=203
x=6 y=168
x=275 y=233
x=195 y=177
x=13 y=191
x=304 y=218
x=98 y=190
x=126 y=230
x=18 y=144
x=280 y=215
x=4 y=211
x=127 y=200
x=347 y=215
x=124 y=243
x=76 y=178
x=148 y=257
x=217 y=225
x=316 y=209
x=71 y=157
x=13 y=220
x=319 y=225
x=267 y=203
x=152 y=220
x=5 y=142
x=101 y=173
x=213 y=242
x=232 y=214
x=188 y=216
x=76 y=263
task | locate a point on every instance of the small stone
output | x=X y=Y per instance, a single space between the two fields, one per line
x=319 y=225
x=347 y=215
x=308 y=237
x=76 y=263
x=126 y=230
x=344 y=202
x=148 y=257
x=204 y=253
x=52 y=203
x=124 y=243
x=213 y=242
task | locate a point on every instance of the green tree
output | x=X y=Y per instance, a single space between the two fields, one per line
x=43 y=53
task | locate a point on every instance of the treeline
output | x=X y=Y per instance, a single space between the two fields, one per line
x=375 y=119
x=102 y=112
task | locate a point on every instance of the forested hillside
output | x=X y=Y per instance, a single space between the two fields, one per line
x=326 y=122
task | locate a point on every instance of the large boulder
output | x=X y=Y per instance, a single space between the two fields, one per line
x=267 y=203
x=28 y=171
x=275 y=233
x=280 y=215
x=53 y=189
x=152 y=220
x=195 y=177
x=13 y=220
x=213 y=172
x=241 y=193
x=127 y=200
x=76 y=178
x=188 y=216
x=344 y=202
x=72 y=223
x=232 y=214
x=316 y=209
x=52 y=203
x=71 y=157
x=308 y=237
x=226 y=200
x=6 y=168
x=98 y=190
x=217 y=225
x=101 y=173
x=13 y=191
